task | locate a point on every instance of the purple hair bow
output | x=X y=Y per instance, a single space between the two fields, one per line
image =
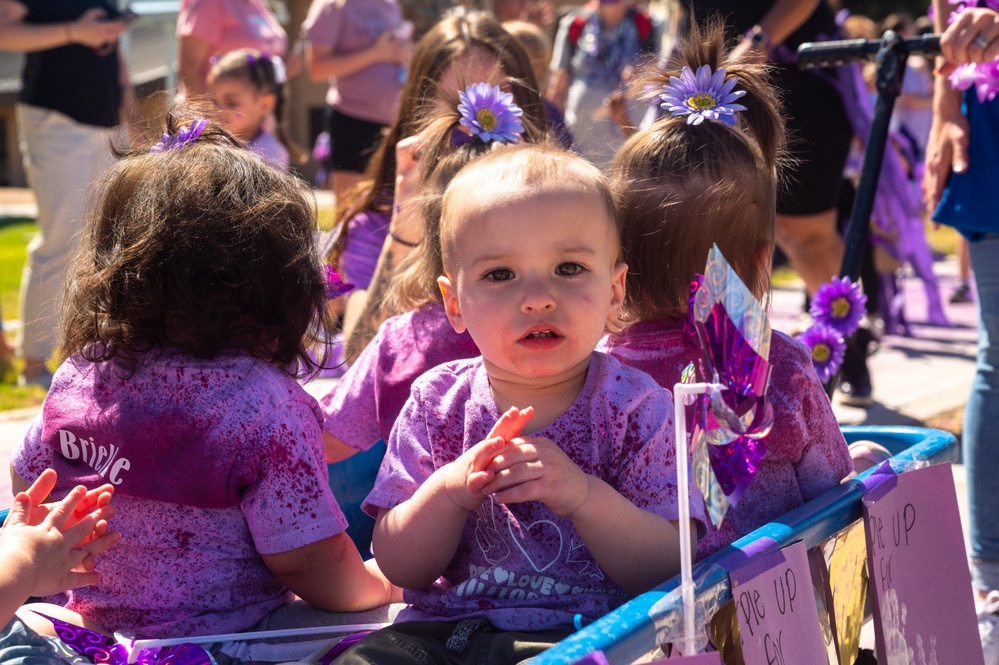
x=184 y=137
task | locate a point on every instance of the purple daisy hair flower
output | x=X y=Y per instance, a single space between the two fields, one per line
x=827 y=348
x=704 y=95
x=185 y=135
x=839 y=304
x=336 y=285
x=490 y=114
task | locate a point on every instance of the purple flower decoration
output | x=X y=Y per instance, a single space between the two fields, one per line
x=827 y=347
x=490 y=114
x=702 y=95
x=839 y=304
x=336 y=285
x=184 y=136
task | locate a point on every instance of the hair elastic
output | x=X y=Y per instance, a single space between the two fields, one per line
x=184 y=137
x=280 y=72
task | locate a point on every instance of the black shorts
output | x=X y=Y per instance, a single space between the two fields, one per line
x=819 y=136
x=352 y=141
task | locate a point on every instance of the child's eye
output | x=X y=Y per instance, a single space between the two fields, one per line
x=499 y=275
x=568 y=269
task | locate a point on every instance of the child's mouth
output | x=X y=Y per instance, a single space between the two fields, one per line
x=541 y=338
x=541 y=334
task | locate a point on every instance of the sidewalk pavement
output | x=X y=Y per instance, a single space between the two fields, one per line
x=915 y=378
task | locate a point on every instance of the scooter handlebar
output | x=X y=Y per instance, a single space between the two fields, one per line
x=844 y=51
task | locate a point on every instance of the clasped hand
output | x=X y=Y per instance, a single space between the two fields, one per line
x=516 y=469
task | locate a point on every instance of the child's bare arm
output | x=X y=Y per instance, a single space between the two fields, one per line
x=330 y=574
x=637 y=549
x=416 y=540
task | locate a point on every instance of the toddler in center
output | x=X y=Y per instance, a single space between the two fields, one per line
x=537 y=482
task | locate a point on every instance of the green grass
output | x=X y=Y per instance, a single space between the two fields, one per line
x=14 y=238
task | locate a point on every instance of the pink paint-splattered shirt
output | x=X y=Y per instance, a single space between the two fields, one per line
x=806 y=453
x=519 y=565
x=363 y=406
x=214 y=463
x=228 y=25
x=342 y=27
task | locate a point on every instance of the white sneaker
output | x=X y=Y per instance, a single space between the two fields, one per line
x=988 y=628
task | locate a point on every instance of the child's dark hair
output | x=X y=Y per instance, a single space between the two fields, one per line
x=681 y=187
x=454 y=36
x=200 y=249
x=261 y=71
x=415 y=282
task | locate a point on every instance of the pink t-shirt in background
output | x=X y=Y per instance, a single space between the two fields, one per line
x=347 y=26
x=805 y=454
x=214 y=463
x=362 y=408
x=232 y=24
x=519 y=565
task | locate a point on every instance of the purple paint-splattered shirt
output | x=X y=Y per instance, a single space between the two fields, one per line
x=214 y=463
x=363 y=406
x=519 y=565
x=806 y=453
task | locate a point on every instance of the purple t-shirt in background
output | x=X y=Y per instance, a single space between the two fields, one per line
x=805 y=454
x=519 y=565
x=362 y=408
x=366 y=233
x=348 y=26
x=271 y=149
x=214 y=463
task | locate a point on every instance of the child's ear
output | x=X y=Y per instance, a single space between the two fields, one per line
x=267 y=102
x=618 y=276
x=450 y=298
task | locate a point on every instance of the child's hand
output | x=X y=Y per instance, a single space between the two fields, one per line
x=467 y=475
x=55 y=553
x=535 y=469
x=42 y=487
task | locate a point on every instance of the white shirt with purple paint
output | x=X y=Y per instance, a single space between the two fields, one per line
x=214 y=463
x=519 y=565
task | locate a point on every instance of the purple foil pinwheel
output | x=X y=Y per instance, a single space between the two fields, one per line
x=184 y=136
x=336 y=285
x=731 y=425
x=705 y=95
x=827 y=347
x=104 y=649
x=490 y=114
x=839 y=304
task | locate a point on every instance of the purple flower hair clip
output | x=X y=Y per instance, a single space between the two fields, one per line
x=827 y=348
x=184 y=136
x=490 y=114
x=839 y=304
x=704 y=95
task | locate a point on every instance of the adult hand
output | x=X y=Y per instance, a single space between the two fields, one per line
x=972 y=37
x=390 y=49
x=93 y=29
x=947 y=147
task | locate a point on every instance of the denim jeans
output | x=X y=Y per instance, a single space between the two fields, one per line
x=981 y=421
x=19 y=645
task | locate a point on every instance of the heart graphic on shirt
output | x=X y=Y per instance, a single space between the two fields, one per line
x=561 y=588
x=490 y=540
x=533 y=533
x=501 y=575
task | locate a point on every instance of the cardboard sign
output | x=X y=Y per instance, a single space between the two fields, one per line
x=924 y=610
x=775 y=607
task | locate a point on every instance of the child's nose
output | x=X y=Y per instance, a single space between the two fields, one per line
x=537 y=297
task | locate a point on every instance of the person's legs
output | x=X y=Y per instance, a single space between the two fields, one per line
x=62 y=158
x=981 y=420
x=812 y=245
